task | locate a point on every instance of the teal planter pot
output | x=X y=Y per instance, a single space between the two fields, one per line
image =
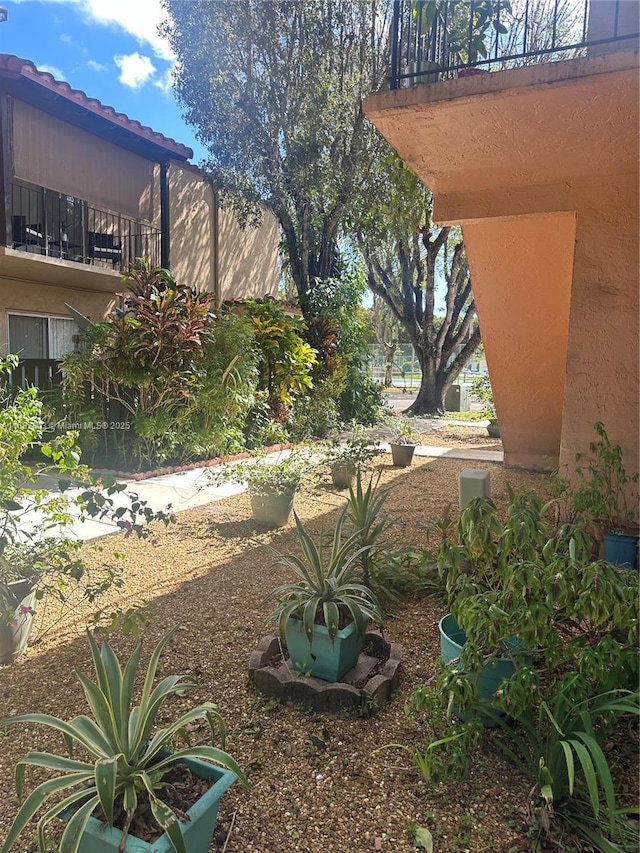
x=323 y=658
x=98 y=837
x=621 y=549
x=452 y=639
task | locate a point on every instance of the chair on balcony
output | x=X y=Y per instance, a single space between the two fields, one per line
x=27 y=234
x=102 y=247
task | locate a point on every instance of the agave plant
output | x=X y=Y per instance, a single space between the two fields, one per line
x=326 y=583
x=126 y=758
x=364 y=511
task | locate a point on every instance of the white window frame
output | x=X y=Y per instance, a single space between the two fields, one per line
x=47 y=317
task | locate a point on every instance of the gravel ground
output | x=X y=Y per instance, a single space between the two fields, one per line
x=208 y=574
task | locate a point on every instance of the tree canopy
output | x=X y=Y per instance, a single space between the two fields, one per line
x=274 y=92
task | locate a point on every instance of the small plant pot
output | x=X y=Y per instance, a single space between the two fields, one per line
x=343 y=475
x=402 y=454
x=98 y=837
x=472 y=72
x=452 y=639
x=323 y=657
x=493 y=429
x=14 y=636
x=621 y=549
x=273 y=509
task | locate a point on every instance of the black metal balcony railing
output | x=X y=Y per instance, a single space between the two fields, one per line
x=434 y=40
x=46 y=222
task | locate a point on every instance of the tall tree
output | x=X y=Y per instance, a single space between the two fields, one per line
x=406 y=257
x=274 y=91
x=385 y=327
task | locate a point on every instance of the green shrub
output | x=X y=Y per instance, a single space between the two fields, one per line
x=315 y=414
x=285 y=361
x=558 y=746
x=191 y=402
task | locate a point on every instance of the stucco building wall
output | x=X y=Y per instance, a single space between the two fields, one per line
x=502 y=152
x=521 y=270
x=192 y=228
x=210 y=250
x=603 y=355
x=35 y=298
x=248 y=258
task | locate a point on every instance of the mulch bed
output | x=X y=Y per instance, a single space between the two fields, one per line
x=318 y=783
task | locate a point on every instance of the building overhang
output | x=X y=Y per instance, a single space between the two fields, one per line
x=21 y=79
x=17 y=265
x=536 y=125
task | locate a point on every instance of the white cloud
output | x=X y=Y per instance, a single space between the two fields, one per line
x=135 y=70
x=139 y=18
x=52 y=69
x=96 y=66
x=165 y=81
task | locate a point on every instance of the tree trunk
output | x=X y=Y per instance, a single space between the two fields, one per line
x=430 y=399
x=389 y=352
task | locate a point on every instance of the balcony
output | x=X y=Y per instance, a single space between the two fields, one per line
x=50 y=224
x=434 y=40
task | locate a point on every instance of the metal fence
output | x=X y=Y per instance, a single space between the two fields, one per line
x=406 y=372
x=46 y=222
x=46 y=375
x=433 y=40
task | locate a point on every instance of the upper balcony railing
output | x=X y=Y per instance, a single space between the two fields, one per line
x=434 y=40
x=46 y=222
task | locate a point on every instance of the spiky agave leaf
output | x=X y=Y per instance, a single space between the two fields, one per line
x=113 y=772
x=324 y=584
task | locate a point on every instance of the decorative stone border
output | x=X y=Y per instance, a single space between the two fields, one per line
x=360 y=691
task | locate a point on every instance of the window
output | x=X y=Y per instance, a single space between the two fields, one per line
x=33 y=336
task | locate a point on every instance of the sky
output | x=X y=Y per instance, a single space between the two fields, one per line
x=108 y=48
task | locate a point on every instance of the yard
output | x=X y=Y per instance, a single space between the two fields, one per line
x=317 y=784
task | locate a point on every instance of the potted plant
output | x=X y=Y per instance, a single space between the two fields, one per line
x=471 y=636
x=323 y=614
x=28 y=572
x=272 y=481
x=403 y=442
x=468 y=34
x=347 y=456
x=125 y=766
x=481 y=387
x=37 y=556
x=525 y=595
x=608 y=495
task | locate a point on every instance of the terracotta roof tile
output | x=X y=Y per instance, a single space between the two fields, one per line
x=14 y=66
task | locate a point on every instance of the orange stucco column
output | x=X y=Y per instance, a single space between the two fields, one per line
x=540 y=167
x=603 y=352
x=521 y=269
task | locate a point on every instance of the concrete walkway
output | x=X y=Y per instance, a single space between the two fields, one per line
x=188 y=489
